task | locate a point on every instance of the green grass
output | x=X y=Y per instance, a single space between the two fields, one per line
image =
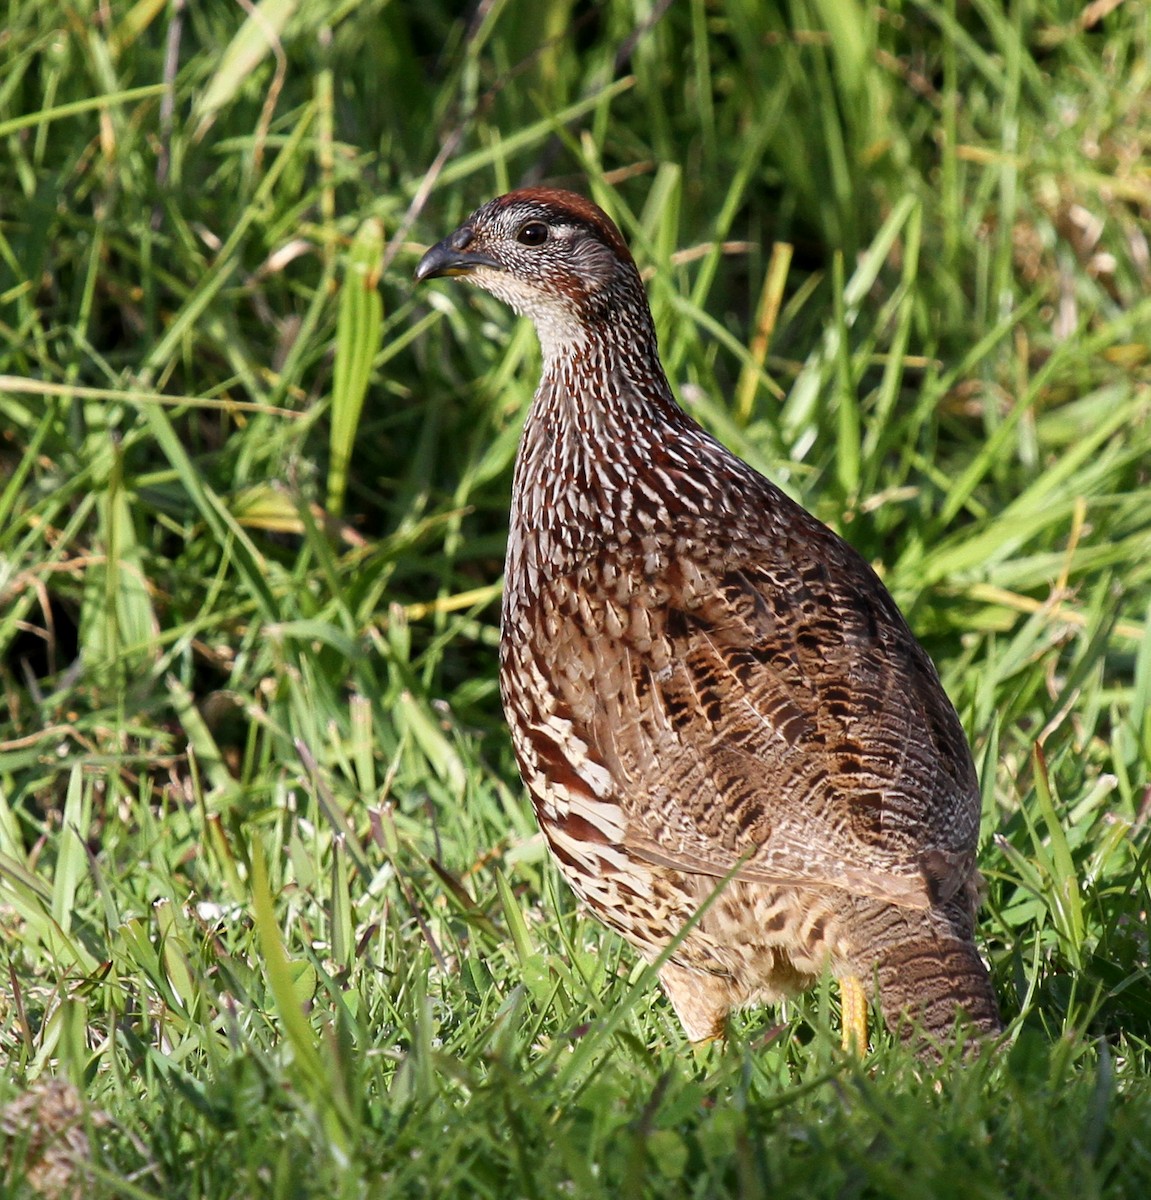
x=273 y=901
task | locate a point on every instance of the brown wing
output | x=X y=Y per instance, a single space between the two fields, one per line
x=779 y=714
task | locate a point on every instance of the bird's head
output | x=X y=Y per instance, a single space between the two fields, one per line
x=552 y=255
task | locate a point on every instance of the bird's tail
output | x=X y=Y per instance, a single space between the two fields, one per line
x=929 y=973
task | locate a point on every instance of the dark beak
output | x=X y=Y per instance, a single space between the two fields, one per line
x=452 y=257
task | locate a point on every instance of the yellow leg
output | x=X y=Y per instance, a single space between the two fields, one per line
x=853 y=1000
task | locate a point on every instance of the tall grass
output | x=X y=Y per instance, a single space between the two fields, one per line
x=273 y=901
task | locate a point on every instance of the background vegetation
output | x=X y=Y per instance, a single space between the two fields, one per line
x=276 y=919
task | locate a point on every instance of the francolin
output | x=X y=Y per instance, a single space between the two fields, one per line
x=714 y=701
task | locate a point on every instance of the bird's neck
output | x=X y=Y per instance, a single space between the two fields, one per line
x=602 y=399
x=606 y=455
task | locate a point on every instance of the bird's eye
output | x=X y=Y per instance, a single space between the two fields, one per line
x=533 y=233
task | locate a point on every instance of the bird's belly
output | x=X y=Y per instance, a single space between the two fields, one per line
x=562 y=668
x=763 y=941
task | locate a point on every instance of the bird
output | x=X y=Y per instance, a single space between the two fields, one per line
x=741 y=758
